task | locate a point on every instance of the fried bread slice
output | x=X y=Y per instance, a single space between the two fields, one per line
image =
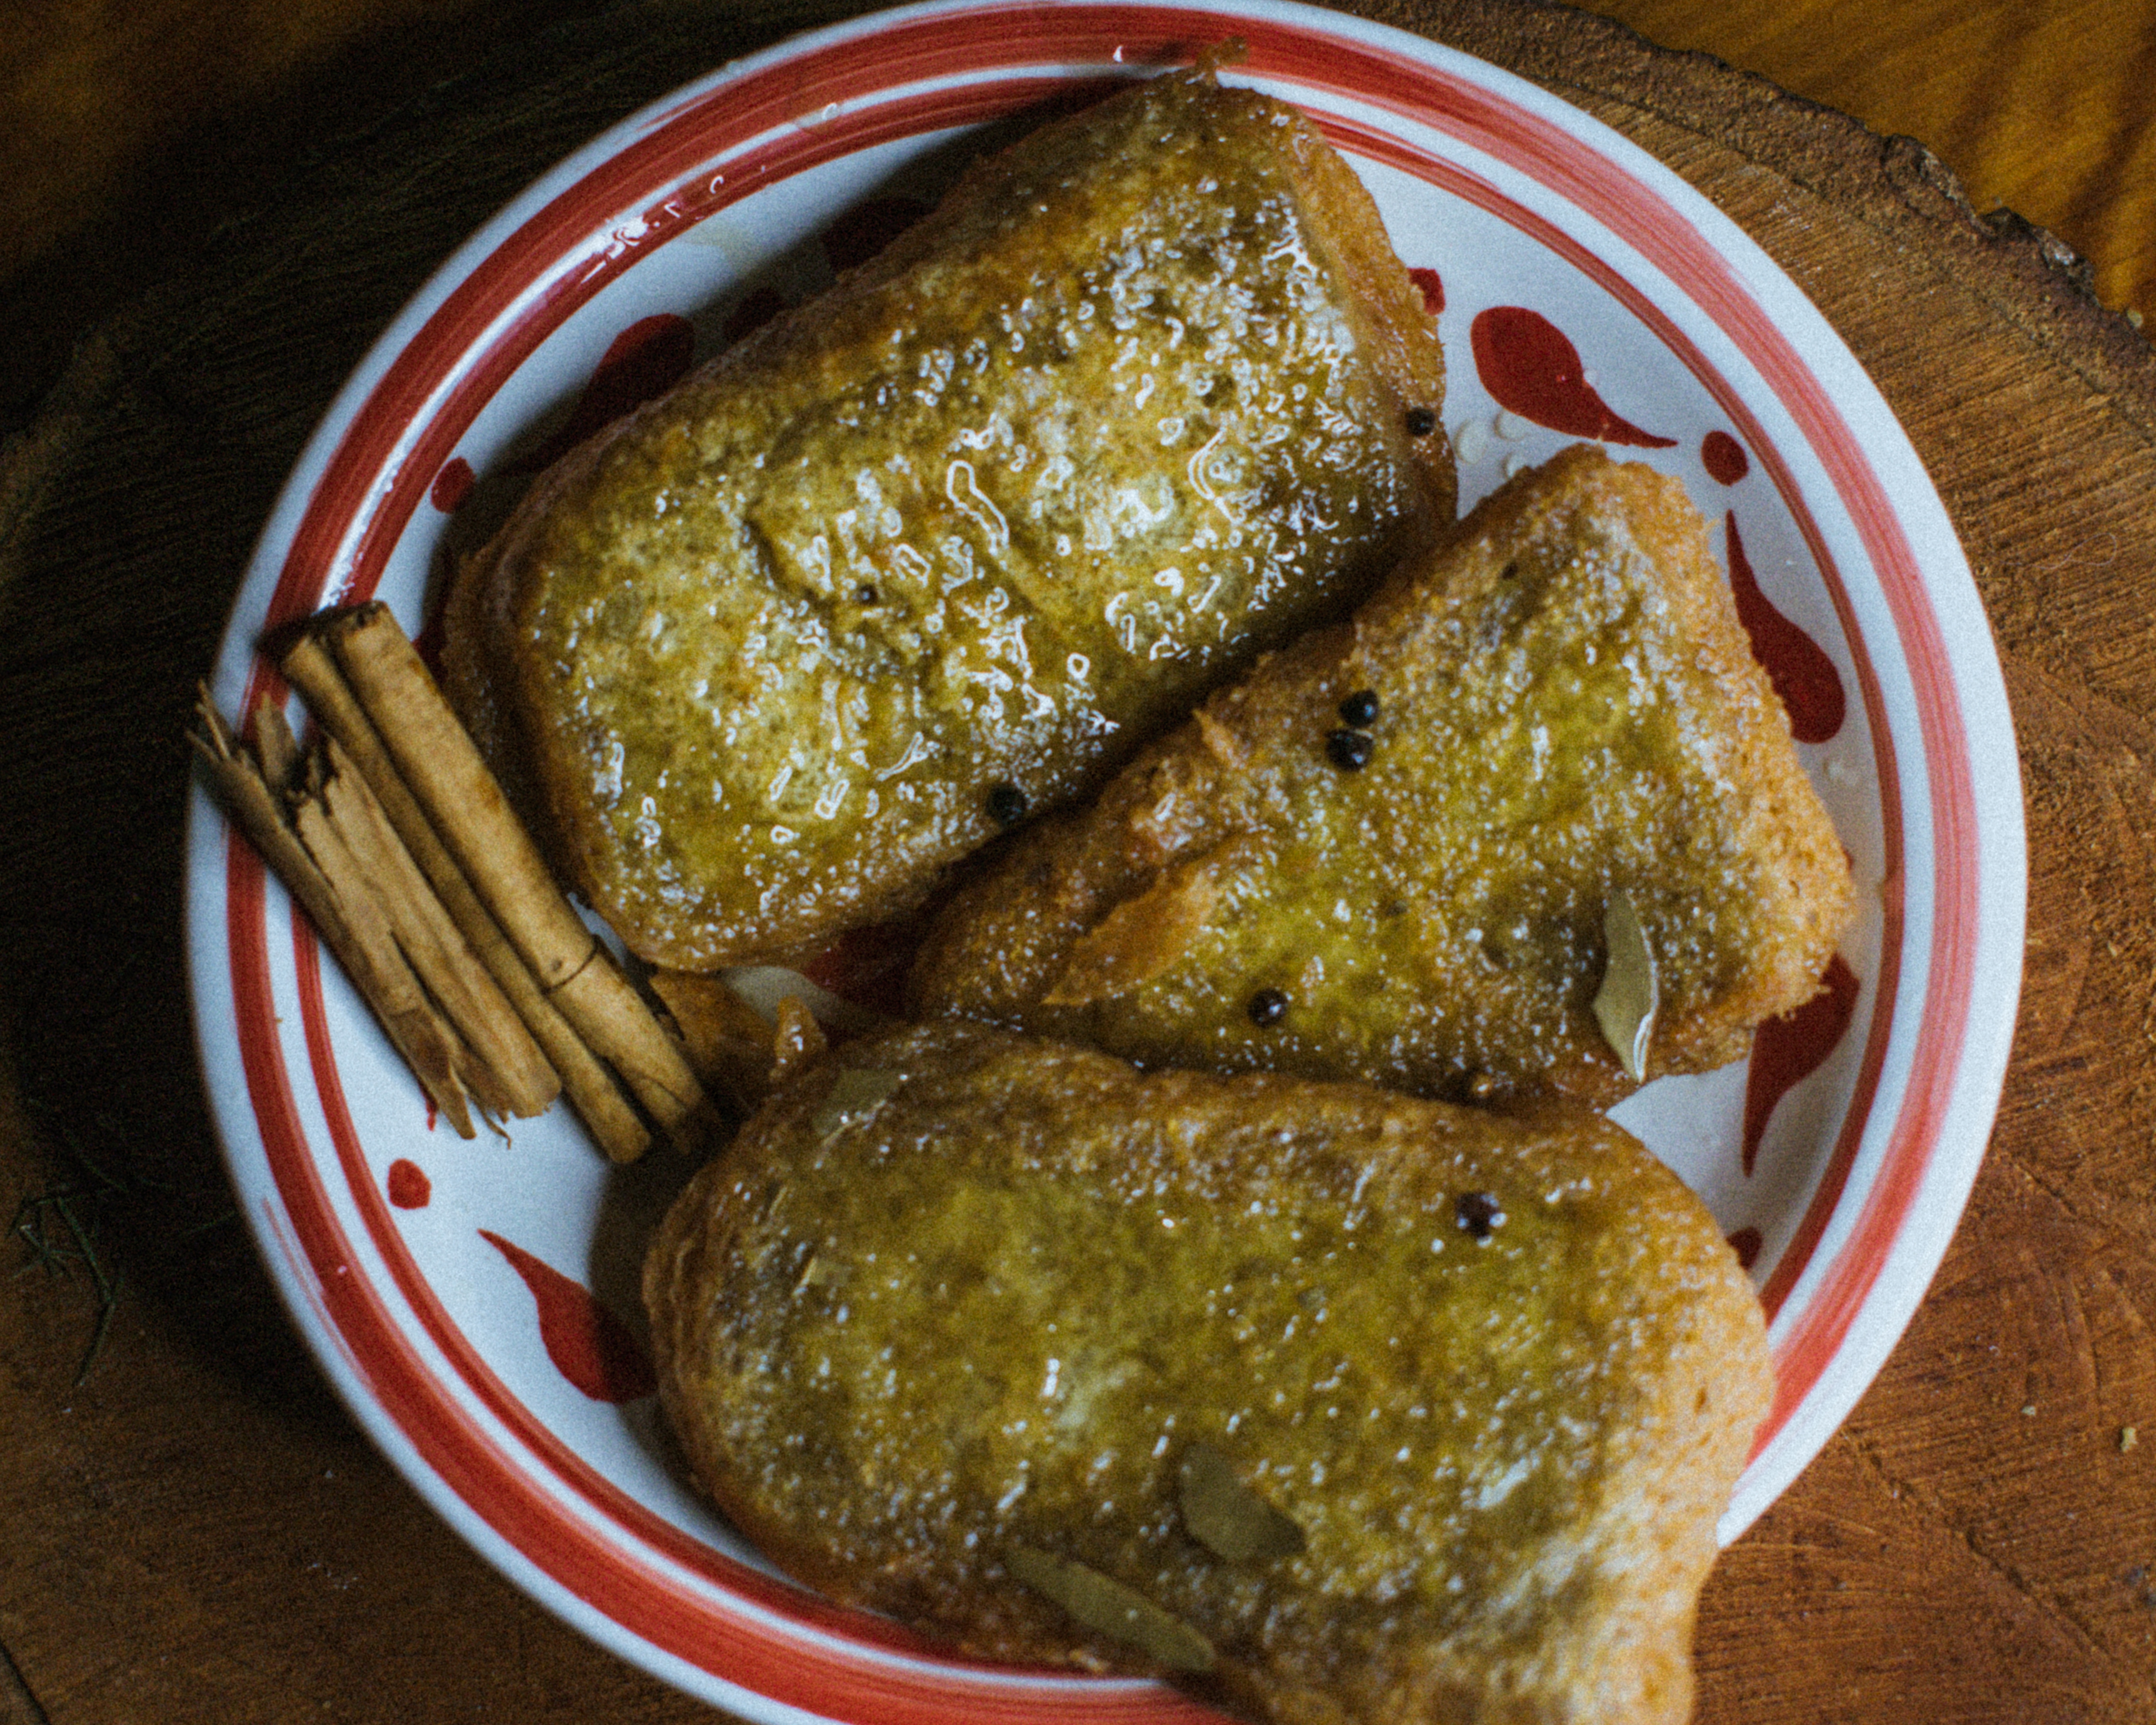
x=1336 y=1404
x=1134 y=403
x=1401 y=849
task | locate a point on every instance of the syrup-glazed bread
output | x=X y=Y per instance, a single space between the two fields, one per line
x=1149 y=392
x=1461 y=845
x=1333 y=1405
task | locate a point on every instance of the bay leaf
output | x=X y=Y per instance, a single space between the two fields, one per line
x=1105 y=1606
x=855 y=1094
x=1625 y=1005
x=1226 y=1517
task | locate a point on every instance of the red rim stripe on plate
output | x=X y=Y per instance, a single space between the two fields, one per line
x=462 y=1456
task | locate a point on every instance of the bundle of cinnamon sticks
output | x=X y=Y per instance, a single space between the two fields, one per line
x=392 y=833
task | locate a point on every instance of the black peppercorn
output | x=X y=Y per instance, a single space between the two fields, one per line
x=1478 y=1212
x=1006 y=805
x=1268 y=1006
x=864 y=594
x=1361 y=708
x=1421 y=422
x=1348 y=750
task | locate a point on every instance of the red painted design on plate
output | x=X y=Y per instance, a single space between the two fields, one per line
x=1745 y=1243
x=757 y=308
x=1530 y=365
x=589 y=1346
x=1788 y=1049
x=846 y=1674
x=1727 y=463
x=408 y=1187
x=1432 y=285
x=646 y=359
x=857 y=234
x=452 y=485
x=1802 y=675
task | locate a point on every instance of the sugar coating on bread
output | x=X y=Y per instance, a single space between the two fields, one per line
x=1133 y=403
x=1391 y=850
x=965 y=1304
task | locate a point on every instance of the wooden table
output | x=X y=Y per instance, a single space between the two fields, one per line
x=197 y=1532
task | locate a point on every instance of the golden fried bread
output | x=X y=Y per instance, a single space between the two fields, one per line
x=1134 y=403
x=1337 y=1405
x=1398 y=850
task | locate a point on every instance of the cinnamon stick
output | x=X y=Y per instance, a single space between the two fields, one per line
x=275 y=747
x=432 y=944
x=611 y=1016
x=589 y=1086
x=386 y=976
x=465 y=805
x=255 y=804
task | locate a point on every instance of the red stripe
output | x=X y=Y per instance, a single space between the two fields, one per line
x=866 y=1675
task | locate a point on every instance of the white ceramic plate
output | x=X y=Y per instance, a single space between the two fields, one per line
x=454 y=1290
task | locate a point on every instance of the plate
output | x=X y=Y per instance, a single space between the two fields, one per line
x=476 y=1301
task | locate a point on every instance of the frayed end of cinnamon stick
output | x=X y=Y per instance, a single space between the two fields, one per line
x=256 y=787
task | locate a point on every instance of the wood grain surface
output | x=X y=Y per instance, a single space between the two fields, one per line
x=197 y=1531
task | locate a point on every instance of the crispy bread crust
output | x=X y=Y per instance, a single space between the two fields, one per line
x=998 y=1301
